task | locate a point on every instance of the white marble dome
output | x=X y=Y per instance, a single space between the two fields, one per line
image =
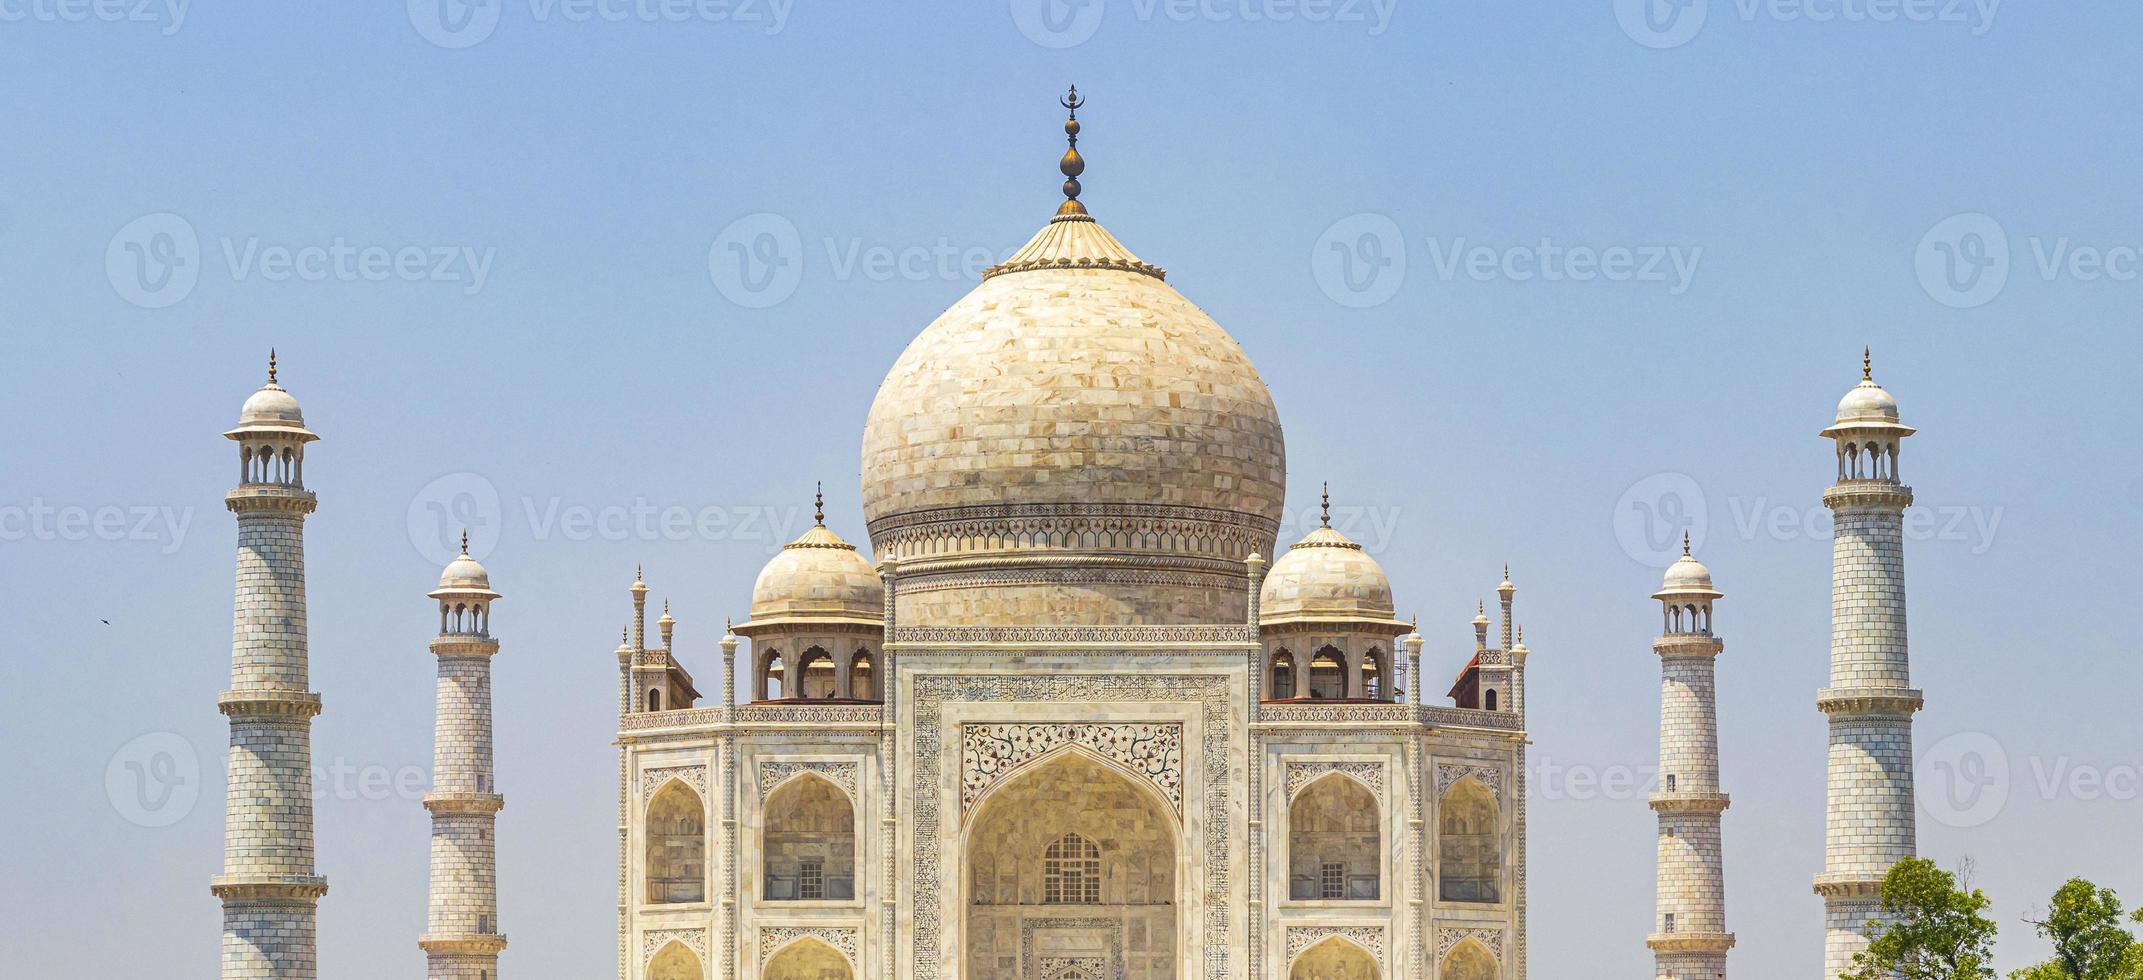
x=271 y=406
x=1073 y=374
x=818 y=576
x=1867 y=402
x=1325 y=576
x=1073 y=443
x=464 y=573
x=1687 y=576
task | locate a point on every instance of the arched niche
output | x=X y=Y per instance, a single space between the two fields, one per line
x=676 y=835
x=808 y=842
x=1334 y=842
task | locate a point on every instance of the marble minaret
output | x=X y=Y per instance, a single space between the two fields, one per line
x=461 y=938
x=269 y=891
x=1689 y=941
x=1870 y=700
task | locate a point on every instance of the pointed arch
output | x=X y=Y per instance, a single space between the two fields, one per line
x=1469 y=960
x=1281 y=684
x=1469 y=844
x=675 y=961
x=808 y=958
x=676 y=838
x=1328 y=674
x=1335 y=845
x=808 y=842
x=1337 y=957
x=1043 y=812
x=816 y=676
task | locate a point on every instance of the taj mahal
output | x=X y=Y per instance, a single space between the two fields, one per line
x=1074 y=711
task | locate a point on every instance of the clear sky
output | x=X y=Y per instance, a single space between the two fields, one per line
x=1641 y=255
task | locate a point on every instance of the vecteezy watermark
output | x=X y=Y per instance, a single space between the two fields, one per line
x=154 y=780
x=1371 y=527
x=1964 y=260
x=758 y=260
x=1651 y=516
x=450 y=506
x=1963 y=781
x=170 y=15
x=155 y=261
x=444 y=507
x=1070 y=23
x=1673 y=23
x=457 y=24
x=41 y=521
x=1360 y=261
x=1968 y=780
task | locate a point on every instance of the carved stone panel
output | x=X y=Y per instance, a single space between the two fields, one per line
x=989 y=753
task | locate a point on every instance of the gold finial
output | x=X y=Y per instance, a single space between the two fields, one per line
x=1867 y=364
x=465 y=542
x=271 y=365
x=1685 y=543
x=820 y=503
x=1327 y=516
x=1521 y=636
x=1072 y=164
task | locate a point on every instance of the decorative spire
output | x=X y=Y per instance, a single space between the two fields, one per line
x=1072 y=165
x=465 y=542
x=1327 y=516
x=820 y=503
x=1685 y=543
x=271 y=365
x=1867 y=364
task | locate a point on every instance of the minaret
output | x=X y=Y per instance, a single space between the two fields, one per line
x=1689 y=939
x=461 y=940
x=268 y=887
x=1870 y=700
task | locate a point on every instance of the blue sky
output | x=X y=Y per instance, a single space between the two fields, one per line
x=499 y=250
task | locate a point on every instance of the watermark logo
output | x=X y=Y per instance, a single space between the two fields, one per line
x=41 y=521
x=1058 y=23
x=757 y=261
x=1963 y=261
x=1654 y=513
x=1963 y=780
x=154 y=780
x=1069 y=23
x=1673 y=23
x=169 y=13
x=450 y=505
x=1661 y=23
x=1360 y=261
x=455 y=24
x=154 y=261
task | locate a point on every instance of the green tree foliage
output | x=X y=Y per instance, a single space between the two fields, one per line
x=1940 y=930
x=2084 y=924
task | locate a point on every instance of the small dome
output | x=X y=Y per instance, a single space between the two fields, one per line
x=464 y=573
x=1327 y=577
x=1867 y=402
x=271 y=410
x=271 y=406
x=1687 y=576
x=818 y=576
x=464 y=576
